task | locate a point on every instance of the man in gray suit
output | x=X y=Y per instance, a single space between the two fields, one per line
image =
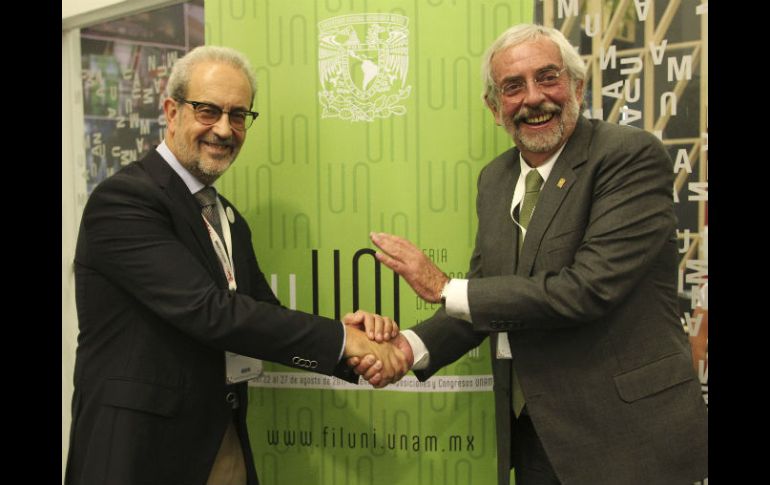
x=573 y=278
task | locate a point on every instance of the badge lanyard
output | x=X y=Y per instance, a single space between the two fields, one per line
x=238 y=368
x=224 y=255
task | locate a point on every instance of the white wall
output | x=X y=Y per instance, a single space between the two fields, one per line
x=71 y=8
x=82 y=13
x=72 y=184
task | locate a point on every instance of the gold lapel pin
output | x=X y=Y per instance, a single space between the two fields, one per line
x=561 y=182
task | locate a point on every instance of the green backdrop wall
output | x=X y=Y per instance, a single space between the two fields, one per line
x=370 y=119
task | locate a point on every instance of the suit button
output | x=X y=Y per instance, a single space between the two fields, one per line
x=232 y=399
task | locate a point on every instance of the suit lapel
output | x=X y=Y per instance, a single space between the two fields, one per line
x=552 y=195
x=508 y=234
x=183 y=205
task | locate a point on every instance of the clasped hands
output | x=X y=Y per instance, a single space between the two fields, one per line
x=374 y=347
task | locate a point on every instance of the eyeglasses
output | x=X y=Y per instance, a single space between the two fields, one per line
x=544 y=79
x=208 y=114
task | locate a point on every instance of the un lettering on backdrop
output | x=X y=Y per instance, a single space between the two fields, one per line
x=347 y=143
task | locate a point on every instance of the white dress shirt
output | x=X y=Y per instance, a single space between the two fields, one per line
x=456 y=291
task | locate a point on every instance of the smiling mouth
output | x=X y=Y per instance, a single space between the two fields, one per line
x=217 y=146
x=539 y=119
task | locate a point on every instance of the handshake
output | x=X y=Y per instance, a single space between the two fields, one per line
x=375 y=349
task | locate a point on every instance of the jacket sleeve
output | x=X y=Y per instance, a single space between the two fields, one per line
x=133 y=235
x=629 y=220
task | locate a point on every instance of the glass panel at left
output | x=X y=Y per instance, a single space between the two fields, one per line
x=125 y=66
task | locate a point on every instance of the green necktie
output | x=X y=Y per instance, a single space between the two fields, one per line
x=532 y=184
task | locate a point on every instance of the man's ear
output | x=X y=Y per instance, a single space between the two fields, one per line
x=494 y=109
x=579 y=91
x=171 y=110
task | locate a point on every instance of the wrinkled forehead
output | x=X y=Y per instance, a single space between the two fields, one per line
x=219 y=83
x=526 y=58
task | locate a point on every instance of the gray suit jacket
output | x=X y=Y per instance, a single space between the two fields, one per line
x=590 y=308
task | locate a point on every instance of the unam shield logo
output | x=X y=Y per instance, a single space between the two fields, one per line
x=363 y=79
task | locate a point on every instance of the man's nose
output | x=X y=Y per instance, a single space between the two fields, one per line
x=533 y=94
x=222 y=127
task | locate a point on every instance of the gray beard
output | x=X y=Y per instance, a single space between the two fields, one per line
x=546 y=142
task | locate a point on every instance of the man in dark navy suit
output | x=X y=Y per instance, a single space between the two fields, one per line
x=167 y=282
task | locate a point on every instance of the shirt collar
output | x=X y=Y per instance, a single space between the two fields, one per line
x=544 y=169
x=193 y=185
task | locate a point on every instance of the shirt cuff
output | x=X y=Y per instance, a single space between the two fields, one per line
x=419 y=350
x=344 y=341
x=456 y=293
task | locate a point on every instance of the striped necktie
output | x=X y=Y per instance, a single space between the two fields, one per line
x=207 y=198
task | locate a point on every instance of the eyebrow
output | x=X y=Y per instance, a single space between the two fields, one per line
x=232 y=108
x=508 y=79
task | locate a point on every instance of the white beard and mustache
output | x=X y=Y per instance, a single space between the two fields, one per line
x=547 y=140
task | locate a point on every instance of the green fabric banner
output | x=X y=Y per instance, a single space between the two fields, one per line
x=370 y=120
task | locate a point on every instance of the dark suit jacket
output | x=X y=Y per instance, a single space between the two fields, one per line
x=590 y=308
x=155 y=318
